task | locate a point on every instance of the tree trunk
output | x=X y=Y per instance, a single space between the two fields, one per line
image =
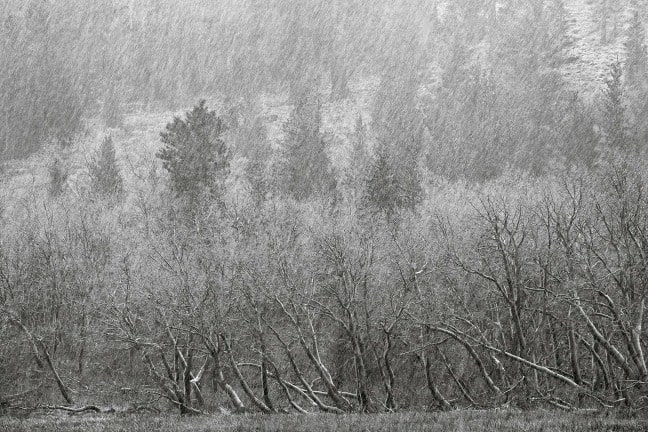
x=361 y=370
x=59 y=382
x=436 y=394
x=480 y=364
x=574 y=355
x=218 y=375
x=246 y=388
x=390 y=383
x=265 y=384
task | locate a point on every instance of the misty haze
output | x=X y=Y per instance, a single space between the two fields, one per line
x=364 y=214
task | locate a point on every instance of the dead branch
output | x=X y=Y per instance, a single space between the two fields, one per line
x=79 y=410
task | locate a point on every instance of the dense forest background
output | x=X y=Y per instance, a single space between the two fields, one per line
x=323 y=205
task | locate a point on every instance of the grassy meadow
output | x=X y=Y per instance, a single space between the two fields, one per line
x=501 y=421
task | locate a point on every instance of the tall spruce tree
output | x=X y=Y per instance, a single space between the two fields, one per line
x=394 y=180
x=304 y=165
x=613 y=109
x=104 y=170
x=58 y=177
x=357 y=169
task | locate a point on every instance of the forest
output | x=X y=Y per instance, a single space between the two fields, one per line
x=323 y=206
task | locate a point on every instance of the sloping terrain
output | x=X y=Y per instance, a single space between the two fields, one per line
x=138 y=140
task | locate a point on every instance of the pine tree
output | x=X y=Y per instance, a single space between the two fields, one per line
x=556 y=38
x=58 y=174
x=104 y=170
x=383 y=191
x=195 y=155
x=305 y=168
x=603 y=10
x=394 y=178
x=359 y=150
x=394 y=183
x=357 y=169
x=614 y=108
x=253 y=144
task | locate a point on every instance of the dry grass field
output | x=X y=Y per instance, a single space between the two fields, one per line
x=500 y=421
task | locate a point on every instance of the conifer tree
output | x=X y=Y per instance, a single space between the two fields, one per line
x=104 y=170
x=305 y=168
x=195 y=155
x=58 y=176
x=357 y=169
x=394 y=177
x=614 y=111
x=359 y=150
x=394 y=184
x=253 y=144
x=609 y=12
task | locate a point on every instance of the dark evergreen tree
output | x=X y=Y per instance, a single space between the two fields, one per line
x=609 y=13
x=613 y=109
x=305 y=168
x=394 y=184
x=58 y=175
x=252 y=143
x=581 y=140
x=394 y=177
x=356 y=172
x=359 y=153
x=195 y=154
x=527 y=72
x=104 y=170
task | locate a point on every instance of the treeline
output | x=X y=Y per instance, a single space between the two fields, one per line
x=295 y=289
x=482 y=245
x=523 y=292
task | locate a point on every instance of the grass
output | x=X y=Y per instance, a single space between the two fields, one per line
x=492 y=421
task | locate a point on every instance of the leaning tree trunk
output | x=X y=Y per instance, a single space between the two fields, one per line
x=434 y=390
x=40 y=351
x=217 y=372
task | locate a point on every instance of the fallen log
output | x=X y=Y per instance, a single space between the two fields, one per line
x=77 y=410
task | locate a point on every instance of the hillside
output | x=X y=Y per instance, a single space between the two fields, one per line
x=138 y=140
x=589 y=66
